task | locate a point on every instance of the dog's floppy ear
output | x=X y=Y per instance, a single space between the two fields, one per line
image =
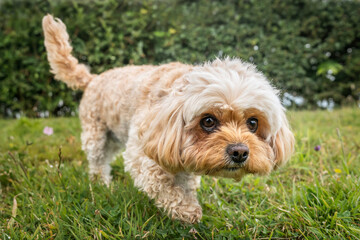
x=283 y=143
x=161 y=135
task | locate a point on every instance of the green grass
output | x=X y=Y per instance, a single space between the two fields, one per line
x=315 y=196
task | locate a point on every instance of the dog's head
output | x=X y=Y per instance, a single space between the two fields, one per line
x=223 y=119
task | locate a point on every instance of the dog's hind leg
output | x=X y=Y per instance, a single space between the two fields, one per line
x=96 y=146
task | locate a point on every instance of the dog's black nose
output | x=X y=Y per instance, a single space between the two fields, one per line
x=238 y=152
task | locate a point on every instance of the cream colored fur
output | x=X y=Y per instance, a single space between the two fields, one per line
x=154 y=111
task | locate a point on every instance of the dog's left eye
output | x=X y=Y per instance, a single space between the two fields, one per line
x=252 y=124
x=208 y=123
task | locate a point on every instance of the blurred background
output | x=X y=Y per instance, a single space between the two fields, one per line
x=309 y=49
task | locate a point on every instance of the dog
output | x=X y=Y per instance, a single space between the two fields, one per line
x=176 y=121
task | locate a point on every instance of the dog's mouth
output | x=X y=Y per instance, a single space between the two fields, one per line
x=227 y=168
x=232 y=169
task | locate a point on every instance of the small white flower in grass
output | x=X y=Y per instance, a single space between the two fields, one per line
x=48 y=131
x=193 y=231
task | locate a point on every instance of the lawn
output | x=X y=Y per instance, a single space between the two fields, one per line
x=45 y=192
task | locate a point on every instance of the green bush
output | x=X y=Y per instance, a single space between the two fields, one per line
x=308 y=48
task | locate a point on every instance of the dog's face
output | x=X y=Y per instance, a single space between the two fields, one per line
x=227 y=142
x=224 y=120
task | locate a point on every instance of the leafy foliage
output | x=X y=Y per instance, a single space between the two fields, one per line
x=295 y=43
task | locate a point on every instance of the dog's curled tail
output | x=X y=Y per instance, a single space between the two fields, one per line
x=65 y=67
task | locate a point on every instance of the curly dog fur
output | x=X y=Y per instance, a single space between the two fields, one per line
x=176 y=122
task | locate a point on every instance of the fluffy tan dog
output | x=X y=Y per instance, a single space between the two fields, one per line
x=176 y=121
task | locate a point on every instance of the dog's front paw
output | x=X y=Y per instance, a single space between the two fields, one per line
x=187 y=213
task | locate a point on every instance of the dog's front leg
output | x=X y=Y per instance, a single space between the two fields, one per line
x=175 y=193
x=180 y=199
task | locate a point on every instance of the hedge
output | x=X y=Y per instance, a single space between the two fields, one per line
x=309 y=49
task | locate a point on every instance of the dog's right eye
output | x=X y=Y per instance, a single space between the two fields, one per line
x=209 y=123
x=252 y=124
